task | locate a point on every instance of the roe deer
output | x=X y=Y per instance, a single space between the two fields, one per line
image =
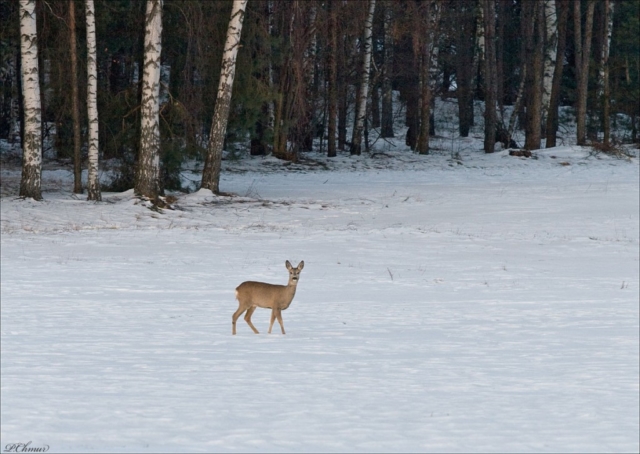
x=251 y=294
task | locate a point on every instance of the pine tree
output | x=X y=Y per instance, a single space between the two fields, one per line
x=562 y=8
x=491 y=82
x=386 y=129
x=75 y=101
x=582 y=55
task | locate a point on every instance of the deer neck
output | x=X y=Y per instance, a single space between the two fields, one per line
x=291 y=291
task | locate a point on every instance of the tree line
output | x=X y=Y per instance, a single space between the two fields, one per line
x=150 y=83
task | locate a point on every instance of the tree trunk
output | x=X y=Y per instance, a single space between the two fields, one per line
x=361 y=107
x=310 y=123
x=30 y=183
x=75 y=102
x=213 y=162
x=491 y=87
x=427 y=64
x=550 y=54
x=386 y=129
x=148 y=172
x=533 y=34
x=604 y=70
x=465 y=51
x=500 y=55
x=582 y=54
x=478 y=59
x=375 y=105
x=333 y=77
x=554 y=100
x=93 y=183
x=343 y=107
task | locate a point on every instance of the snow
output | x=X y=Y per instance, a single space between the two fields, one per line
x=457 y=302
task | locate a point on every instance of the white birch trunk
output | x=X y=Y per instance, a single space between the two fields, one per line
x=478 y=56
x=148 y=174
x=93 y=183
x=603 y=88
x=433 y=48
x=358 y=128
x=30 y=183
x=550 y=55
x=604 y=58
x=211 y=173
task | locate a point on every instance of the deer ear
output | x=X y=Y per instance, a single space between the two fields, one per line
x=301 y=265
x=287 y=264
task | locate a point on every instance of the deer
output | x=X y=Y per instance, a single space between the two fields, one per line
x=251 y=294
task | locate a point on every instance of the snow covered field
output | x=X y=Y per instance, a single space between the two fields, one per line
x=483 y=303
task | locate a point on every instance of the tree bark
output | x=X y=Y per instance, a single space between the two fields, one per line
x=582 y=54
x=75 y=102
x=491 y=86
x=554 y=99
x=465 y=51
x=213 y=162
x=533 y=33
x=604 y=71
x=148 y=172
x=428 y=67
x=361 y=108
x=550 y=54
x=30 y=182
x=333 y=78
x=93 y=183
x=386 y=130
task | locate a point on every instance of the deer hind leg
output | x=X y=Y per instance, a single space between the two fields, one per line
x=247 y=318
x=273 y=318
x=235 y=317
x=279 y=316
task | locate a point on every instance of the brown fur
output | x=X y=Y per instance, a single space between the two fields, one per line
x=251 y=294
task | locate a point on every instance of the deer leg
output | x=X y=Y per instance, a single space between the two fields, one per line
x=279 y=316
x=236 y=314
x=273 y=318
x=247 y=318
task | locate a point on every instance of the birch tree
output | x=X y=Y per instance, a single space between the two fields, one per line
x=30 y=183
x=603 y=79
x=148 y=173
x=361 y=108
x=93 y=183
x=213 y=161
x=550 y=55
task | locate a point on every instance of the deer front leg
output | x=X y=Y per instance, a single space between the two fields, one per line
x=279 y=316
x=273 y=318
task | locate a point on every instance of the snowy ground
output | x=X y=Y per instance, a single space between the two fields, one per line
x=482 y=303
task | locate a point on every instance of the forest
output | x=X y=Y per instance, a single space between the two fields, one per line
x=151 y=84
